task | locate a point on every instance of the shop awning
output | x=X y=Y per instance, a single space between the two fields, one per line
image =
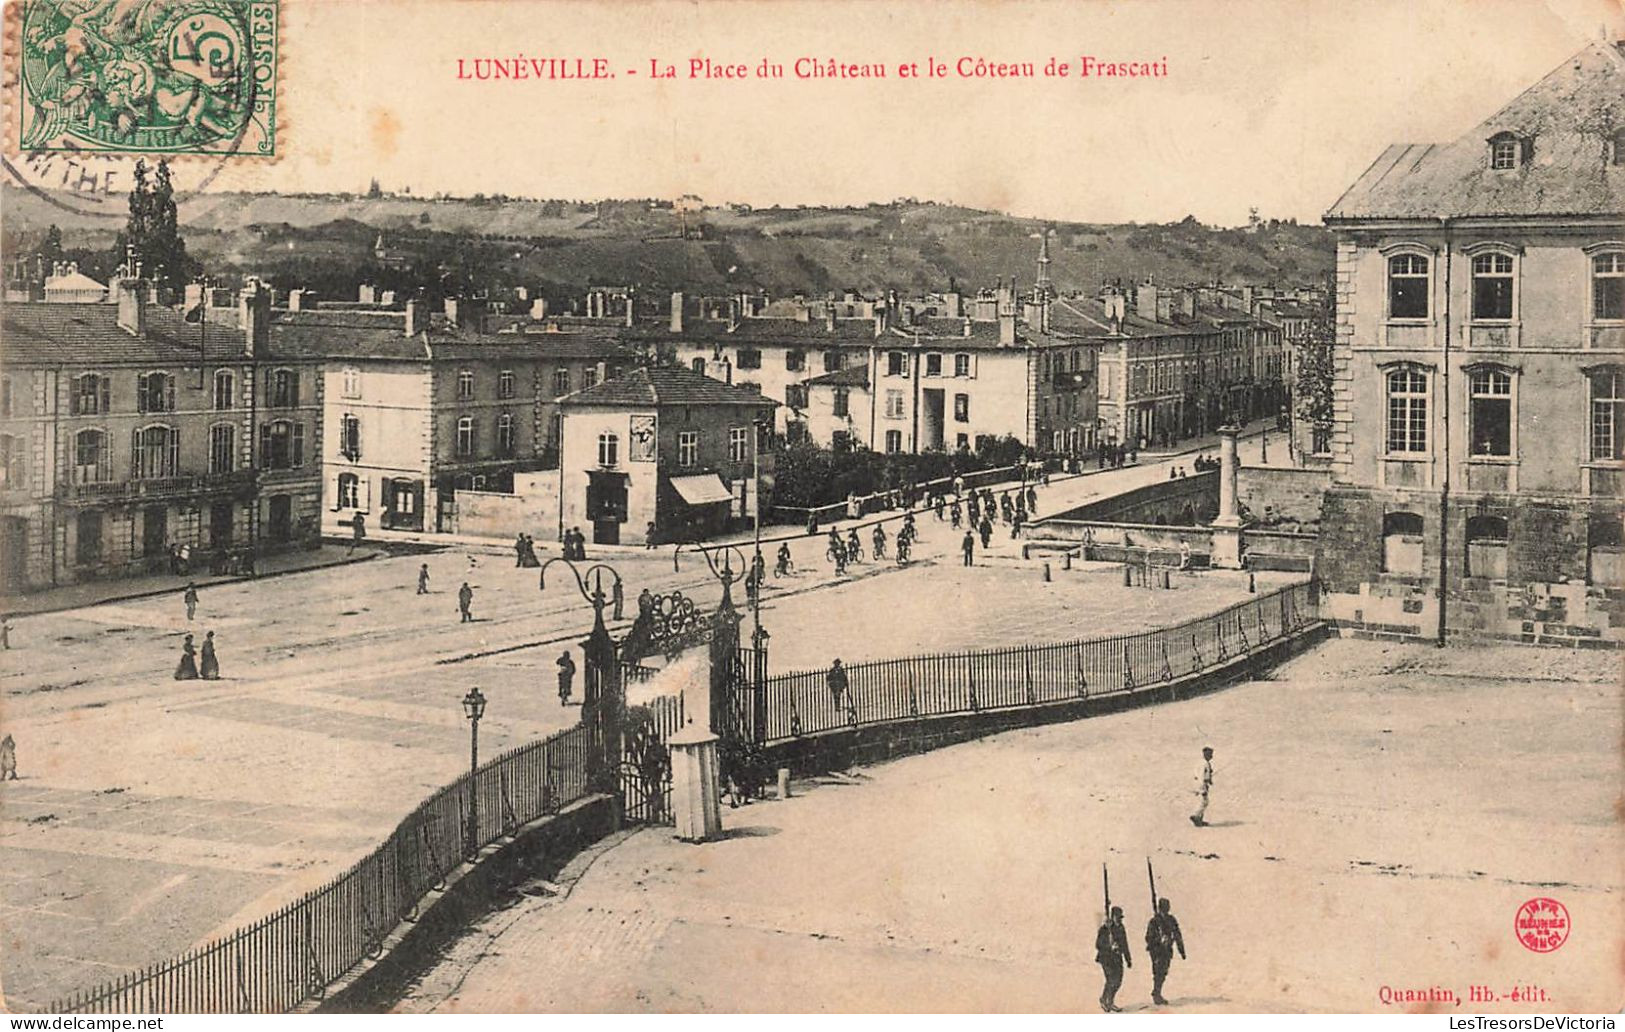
x=703 y=489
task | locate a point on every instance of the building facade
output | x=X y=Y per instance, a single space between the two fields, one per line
x=128 y=432
x=666 y=452
x=1479 y=363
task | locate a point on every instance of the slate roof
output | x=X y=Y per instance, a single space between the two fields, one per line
x=812 y=333
x=341 y=335
x=1566 y=116
x=663 y=386
x=851 y=376
x=37 y=333
x=1087 y=317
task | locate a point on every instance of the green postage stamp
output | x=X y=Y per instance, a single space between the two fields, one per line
x=165 y=77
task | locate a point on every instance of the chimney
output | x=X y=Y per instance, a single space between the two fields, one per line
x=254 y=316
x=538 y=308
x=1145 y=302
x=1116 y=308
x=194 y=296
x=301 y=300
x=367 y=294
x=1165 y=306
x=880 y=325
x=677 y=311
x=417 y=316
x=952 y=304
x=891 y=308
x=631 y=311
x=966 y=331
x=829 y=317
x=1187 y=304
x=132 y=305
x=466 y=313
x=733 y=314
x=1007 y=329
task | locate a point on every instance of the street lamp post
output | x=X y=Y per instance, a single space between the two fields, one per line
x=474 y=709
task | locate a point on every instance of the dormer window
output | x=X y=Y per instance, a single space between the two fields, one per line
x=1507 y=152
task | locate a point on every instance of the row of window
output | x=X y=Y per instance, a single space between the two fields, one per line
x=91 y=393
x=1491 y=418
x=468 y=436
x=894 y=441
x=895 y=406
x=1484 y=545
x=1494 y=286
x=155 y=452
x=688 y=447
x=795 y=360
x=897 y=364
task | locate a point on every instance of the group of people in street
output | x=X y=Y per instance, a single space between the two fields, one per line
x=524 y=551
x=1114 y=455
x=575 y=544
x=1162 y=938
x=1203 y=463
x=190 y=668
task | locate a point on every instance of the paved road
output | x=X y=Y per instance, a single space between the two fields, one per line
x=153 y=813
x=1379 y=814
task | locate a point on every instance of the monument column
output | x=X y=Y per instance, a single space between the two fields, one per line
x=1226 y=529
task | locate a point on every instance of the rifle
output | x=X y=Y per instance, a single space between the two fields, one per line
x=1106 y=888
x=1153 y=879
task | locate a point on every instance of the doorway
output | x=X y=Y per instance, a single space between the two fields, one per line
x=13 y=552
x=932 y=432
x=220 y=521
x=281 y=518
x=154 y=531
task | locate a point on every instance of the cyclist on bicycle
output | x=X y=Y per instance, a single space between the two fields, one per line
x=783 y=567
x=880 y=541
x=854 y=547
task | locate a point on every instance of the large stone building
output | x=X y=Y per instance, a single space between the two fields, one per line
x=127 y=431
x=1479 y=384
x=663 y=448
x=421 y=406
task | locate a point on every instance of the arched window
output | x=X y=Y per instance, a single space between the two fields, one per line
x=285 y=388
x=505 y=383
x=155 y=392
x=698 y=365
x=1489 y=411
x=155 y=453
x=465 y=436
x=222 y=448
x=349 y=491
x=1505 y=152
x=90 y=395
x=1407 y=411
x=609 y=449
x=1402 y=543
x=350 y=437
x=465 y=383
x=505 y=436
x=1492 y=286
x=350 y=382
x=282 y=444
x=92 y=458
x=1408 y=286
x=224 y=384
x=1608 y=286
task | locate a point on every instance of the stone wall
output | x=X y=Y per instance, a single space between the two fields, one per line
x=1544 y=584
x=1188 y=500
x=1292 y=493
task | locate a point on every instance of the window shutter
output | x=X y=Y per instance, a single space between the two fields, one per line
x=73 y=398
x=169 y=394
x=265 y=444
x=364 y=492
x=135 y=454
x=106 y=383
x=141 y=393
x=174 y=469
x=298 y=445
x=338 y=492
x=293 y=390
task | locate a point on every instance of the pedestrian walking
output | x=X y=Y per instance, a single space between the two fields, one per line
x=465 y=602
x=959 y=486
x=955 y=516
x=567 y=673
x=358 y=531
x=1111 y=953
x=1017 y=521
x=1199 y=818
x=1162 y=937
x=423 y=579
x=190 y=598
x=646 y=603
x=1032 y=500
x=5 y=633
x=8 y=759
x=941 y=505
x=187 y=669
x=211 y=664
x=649 y=536
x=618 y=597
x=968 y=547
x=836 y=680
x=986 y=530
x=1184 y=555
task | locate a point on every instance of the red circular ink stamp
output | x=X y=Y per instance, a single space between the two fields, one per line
x=1542 y=924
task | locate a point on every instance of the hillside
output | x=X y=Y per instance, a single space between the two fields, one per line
x=327 y=242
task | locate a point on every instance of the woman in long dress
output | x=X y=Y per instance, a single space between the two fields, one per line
x=187 y=670
x=211 y=665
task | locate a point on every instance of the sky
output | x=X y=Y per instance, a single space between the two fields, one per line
x=1266 y=103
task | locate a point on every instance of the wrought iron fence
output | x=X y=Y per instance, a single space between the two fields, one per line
x=645 y=770
x=805 y=703
x=293 y=955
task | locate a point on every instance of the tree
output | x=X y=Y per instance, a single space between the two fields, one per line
x=50 y=248
x=153 y=231
x=1313 y=393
